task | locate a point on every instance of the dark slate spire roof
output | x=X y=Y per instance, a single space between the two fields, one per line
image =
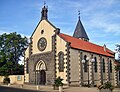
x=80 y=31
x=44 y=12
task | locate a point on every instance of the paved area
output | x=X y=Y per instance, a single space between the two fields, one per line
x=10 y=89
x=42 y=88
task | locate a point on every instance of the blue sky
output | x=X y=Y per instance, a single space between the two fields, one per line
x=101 y=18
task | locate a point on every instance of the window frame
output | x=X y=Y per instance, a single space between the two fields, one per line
x=103 y=65
x=61 y=61
x=95 y=65
x=110 y=65
x=85 y=64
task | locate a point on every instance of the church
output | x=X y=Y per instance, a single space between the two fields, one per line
x=52 y=54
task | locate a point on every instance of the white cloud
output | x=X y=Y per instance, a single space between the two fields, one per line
x=101 y=15
x=8 y=30
x=4 y=30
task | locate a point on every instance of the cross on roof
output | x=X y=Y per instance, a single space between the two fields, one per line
x=44 y=3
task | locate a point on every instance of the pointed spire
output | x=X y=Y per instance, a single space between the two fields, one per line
x=80 y=31
x=44 y=12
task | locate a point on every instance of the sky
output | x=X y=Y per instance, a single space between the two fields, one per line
x=100 y=18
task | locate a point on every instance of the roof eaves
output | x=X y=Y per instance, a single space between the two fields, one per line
x=35 y=29
x=93 y=52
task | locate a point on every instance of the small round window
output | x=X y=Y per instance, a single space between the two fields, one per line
x=42 y=31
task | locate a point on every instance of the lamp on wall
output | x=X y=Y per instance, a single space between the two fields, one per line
x=83 y=61
x=89 y=60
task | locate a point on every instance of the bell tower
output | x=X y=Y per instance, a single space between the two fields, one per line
x=80 y=31
x=44 y=12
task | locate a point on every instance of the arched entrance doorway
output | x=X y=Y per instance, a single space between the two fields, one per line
x=42 y=77
x=40 y=73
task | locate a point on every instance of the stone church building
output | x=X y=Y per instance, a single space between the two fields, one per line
x=77 y=61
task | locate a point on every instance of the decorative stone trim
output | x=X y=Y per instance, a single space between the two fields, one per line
x=116 y=78
x=57 y=31
x=100 y=70
x=54 y=54
x=91 y=71
x=68 y=62
x=25 y=67
x=31 y=46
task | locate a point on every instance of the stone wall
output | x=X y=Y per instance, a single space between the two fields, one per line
x=74 y=67
x=14 y=79
x=48 y=59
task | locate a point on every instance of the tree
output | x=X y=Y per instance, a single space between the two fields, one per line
x=11 y=49
x=118 y=51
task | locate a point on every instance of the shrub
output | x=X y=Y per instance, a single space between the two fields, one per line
x=6 y=80
x=58 y=82
x=106 y=85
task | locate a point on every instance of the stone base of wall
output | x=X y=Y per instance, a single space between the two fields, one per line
x=105 y=90
x=74 y=83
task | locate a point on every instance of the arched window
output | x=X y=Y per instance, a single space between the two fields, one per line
x=119 y=75
x=27 y=70
x=110 y=64
x=103 y=65
x=85 y=64
x=61 y=61
x=95 y=64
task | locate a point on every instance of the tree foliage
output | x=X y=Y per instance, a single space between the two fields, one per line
x=117 y=67
x=118 y=51
x=11 y=49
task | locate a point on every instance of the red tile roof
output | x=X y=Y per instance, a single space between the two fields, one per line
x=86 y=46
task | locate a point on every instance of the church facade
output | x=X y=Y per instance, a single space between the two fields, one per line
x=77 y=61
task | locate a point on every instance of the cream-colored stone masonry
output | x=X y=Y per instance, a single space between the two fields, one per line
x=48 y=33
x=116 y=80
x=61 y=46
x=26 y=76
